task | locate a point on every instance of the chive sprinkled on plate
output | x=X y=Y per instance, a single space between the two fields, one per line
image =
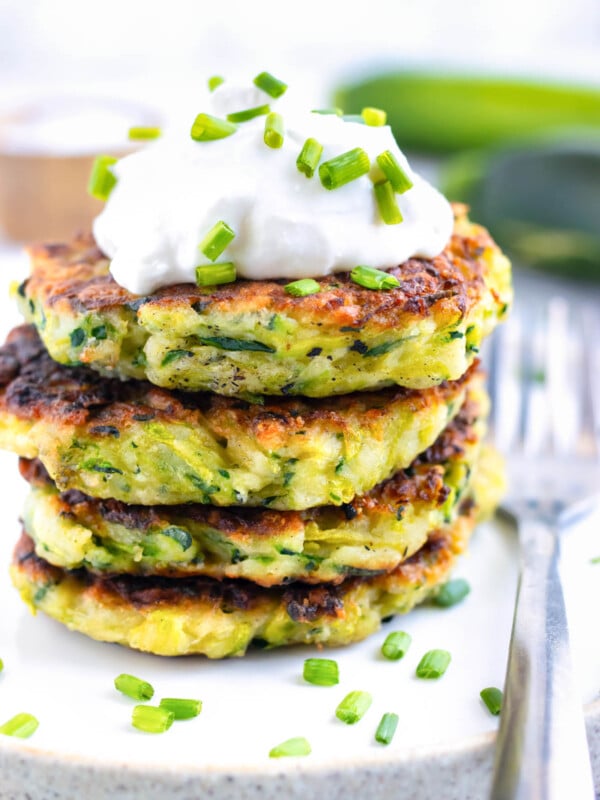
x=396 y=645
x=371 y=278
x=270 y=84
x=102 y=181
x=321 y=671
x=273 y=136
x=134 y=687
x=214 y=81
x=310 y=155
x=433 y=664
x=353 y=707
x=392 y=170
x=152 y=719
x=452 y=592
x=375 y=117
x=181 y=708
x=141 y=133
x=303 y=287
x=386 y=203
x=344 y=168
x=492 y=697
x=248 y=113
x=207 y=128
x=216 y=240
x=386 y=728
x=298 y=746
x=21 y=726
x=1 y=665
x=328 y=111
x=215 y=274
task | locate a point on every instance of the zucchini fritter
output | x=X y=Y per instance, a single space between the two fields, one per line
x=181 y=616
x=135 y=442
x=374 y=533
x=252 y=337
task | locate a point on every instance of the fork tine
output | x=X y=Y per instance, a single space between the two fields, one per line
x=534 y=405
x=544 y=382
x=503 y=385
x=563 y=368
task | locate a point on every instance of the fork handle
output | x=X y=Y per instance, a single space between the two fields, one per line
x=542 y=751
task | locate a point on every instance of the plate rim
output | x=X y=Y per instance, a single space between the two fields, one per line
x=405 y=758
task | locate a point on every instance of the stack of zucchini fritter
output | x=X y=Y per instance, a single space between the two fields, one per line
x=212 y=467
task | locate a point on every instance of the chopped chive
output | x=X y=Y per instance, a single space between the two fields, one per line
x=270 y=84
x=273 y=135
x=140 y=133
x=595 y=560
x=321 y=671
x=396 y=645
x=152 y=719
x=492 y=697
x=207 y=128
x=433 y=664
x=452 y=592
x=102 y=180
x=77 y=337
x=134 y=687
x=214 y=81
x=328 y=111
x=344 y=168
x=248 y=113
x=393 y=172
x=353 y=707
x=298 y=746
x=309 y=157
x=22 y=726
x=179 y=535
x=374 y=116
x=216 y=240
x=215 y=274
x=180 y=708
x=386 y=728
x=303 y=287
x=1 y=665
x=386 y=203
x=371 y=278
x=175 y=355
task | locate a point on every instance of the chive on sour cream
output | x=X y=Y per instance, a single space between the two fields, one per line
x=169 y=195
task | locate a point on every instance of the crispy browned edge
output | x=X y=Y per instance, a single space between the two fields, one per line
x=422 y=482
x=34 y=387
x=302 y=602
x=73 y=277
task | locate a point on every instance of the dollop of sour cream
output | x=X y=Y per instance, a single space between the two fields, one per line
x=171 y=193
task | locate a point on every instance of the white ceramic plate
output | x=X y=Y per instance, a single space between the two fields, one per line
x=86 y=747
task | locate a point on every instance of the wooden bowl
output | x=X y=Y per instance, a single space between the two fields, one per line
x=43 y=189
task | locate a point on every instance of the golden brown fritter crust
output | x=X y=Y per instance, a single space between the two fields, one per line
x=74 y=278
x=33 y=386
x=423 y=482
x=369 y=535
x=142 y=444
x=303 y=603
x=253 y=338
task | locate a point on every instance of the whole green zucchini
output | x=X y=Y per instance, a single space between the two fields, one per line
x=440 y=113
x=540 y=199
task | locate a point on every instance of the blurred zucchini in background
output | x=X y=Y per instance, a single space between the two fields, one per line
x=440 y=113
x=541 y=201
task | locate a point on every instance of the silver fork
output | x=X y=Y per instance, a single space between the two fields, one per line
x=543 y=378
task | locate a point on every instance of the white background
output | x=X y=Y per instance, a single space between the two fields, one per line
x=159 y=49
